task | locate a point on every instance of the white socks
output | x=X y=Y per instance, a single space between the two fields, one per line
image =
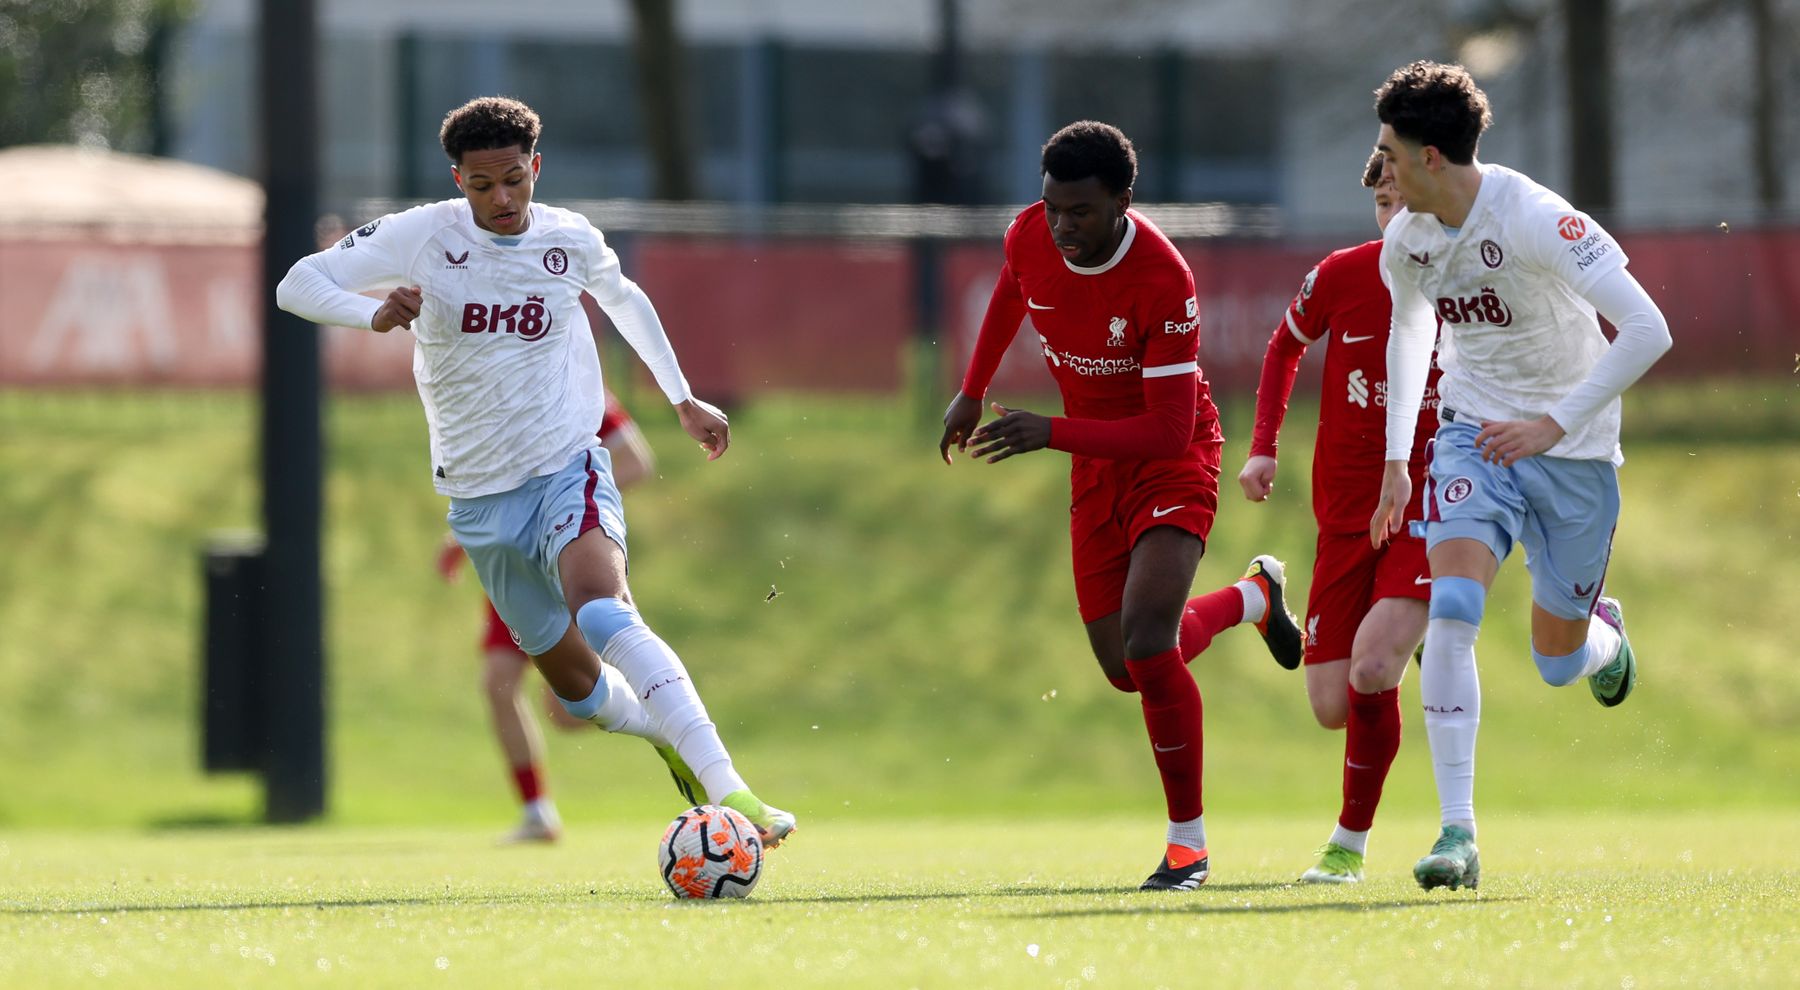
x=1451 y=692
x=1356 y=842
x=658 y=680
x=1256 y=604
x=1191 y=834
x=623 y=712
x=1602 y=645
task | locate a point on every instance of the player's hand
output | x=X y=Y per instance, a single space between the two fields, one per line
x=450 y=558
x=399 y=309
x=704 y=422
x=1508 y=442
x=1396 y=494
x=959 y=421
x=1015 y=432
x=1257 y=479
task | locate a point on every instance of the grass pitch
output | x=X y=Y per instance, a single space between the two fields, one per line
x=1566 y=901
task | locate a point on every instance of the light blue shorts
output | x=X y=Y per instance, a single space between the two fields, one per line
x=1562 y=510
x=514 y=539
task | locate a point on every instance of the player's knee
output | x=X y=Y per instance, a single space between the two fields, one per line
x=1459 y=598
x=1561 y=671
x=602 y=619
x=1145 y=638
x=1370 y=677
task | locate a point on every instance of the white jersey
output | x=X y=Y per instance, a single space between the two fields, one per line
x=503 y=354
x=1508 y=287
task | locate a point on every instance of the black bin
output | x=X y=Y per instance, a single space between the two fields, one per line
x=233 y=694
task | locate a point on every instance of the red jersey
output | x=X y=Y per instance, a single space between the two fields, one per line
x=1122 y=341
x=1344 y=298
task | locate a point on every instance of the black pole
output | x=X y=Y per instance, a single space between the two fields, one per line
x=1765 y=118
x=1168 y=105
x=294 y=775
x=407 y=115
x=1587 y=57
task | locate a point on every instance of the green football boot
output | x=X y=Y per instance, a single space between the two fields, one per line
x=773 y=824
x=1453 y=862
x=685 y=780
x=1336 y=865
x=1612 y=683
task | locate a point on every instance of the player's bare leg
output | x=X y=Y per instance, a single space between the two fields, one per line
x=1327 y=689
x=1594 y=647
x=521 y=743
x=593 y=576
x=1369 y=697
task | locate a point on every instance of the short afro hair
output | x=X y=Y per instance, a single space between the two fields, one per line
x=1430 y=103
x=1088 y=148
x=1372 y=171
x=489 y=122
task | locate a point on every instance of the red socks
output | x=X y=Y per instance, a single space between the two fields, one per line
x=531 y=786
x=1172 y=714
x=1371 y=739
x=1207 y=616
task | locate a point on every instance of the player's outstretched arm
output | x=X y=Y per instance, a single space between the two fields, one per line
x=1642 y=338
x=1015 y=432
x=704 y=422
x=960 y=419
x=1298 y=328
x=1005 y=311
x=325 y=287
x=1408 y=358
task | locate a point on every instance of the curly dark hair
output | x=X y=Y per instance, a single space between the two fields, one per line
x=1089 y=148
x=489 y=122
x=1372 y=170
x=1430 y=103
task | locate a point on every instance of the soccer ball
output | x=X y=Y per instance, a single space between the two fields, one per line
x=709 y=852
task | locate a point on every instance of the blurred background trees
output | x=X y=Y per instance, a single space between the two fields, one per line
x=88 y=72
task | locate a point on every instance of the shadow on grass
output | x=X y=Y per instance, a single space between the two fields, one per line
x=1154 y=902
x=321 y=905
x=1003 y=892
x=201 y=821
x=1196 y=904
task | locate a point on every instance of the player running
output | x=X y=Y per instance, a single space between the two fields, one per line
x=1528 y=450
x=1366 y=609
x=504 y=664
x=1114 y=308
x=490 y=283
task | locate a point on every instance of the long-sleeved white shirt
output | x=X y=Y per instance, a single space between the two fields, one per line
x=503 y=353
x=1514 y=291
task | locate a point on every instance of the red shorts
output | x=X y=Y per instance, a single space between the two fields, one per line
x=1113 y=503
x=498 y=636
x=1349 y=577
